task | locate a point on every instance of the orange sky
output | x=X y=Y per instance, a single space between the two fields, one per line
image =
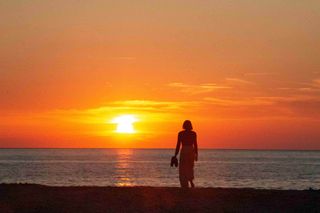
x=246 y=73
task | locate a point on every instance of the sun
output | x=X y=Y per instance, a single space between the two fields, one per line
x=125 y=124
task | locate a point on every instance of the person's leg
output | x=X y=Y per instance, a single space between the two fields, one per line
x=192 y=184
x=183 y=182
x=182 y=172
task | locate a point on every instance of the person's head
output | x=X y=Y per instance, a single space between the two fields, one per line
x=187 y=125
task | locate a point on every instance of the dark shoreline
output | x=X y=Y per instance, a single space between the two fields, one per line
x=39 y=198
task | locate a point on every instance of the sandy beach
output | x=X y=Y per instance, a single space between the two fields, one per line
x=38 y=198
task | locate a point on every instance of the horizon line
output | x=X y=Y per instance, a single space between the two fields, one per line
x=173 y=148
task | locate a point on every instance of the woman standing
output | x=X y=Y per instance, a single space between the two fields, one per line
x=188 y=154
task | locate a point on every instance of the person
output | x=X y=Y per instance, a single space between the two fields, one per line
x=188 y=154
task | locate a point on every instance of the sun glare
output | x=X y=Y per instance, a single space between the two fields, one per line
x=125 y=123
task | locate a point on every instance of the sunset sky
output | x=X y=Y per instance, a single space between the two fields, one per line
x=245 y=72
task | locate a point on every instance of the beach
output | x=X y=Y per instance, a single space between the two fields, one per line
x=40 y=198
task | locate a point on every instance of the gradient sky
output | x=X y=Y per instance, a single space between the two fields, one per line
x=245 y=72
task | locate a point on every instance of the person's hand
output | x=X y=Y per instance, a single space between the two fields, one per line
x=196 y=157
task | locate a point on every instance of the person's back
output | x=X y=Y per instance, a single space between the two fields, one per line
x=187 y=138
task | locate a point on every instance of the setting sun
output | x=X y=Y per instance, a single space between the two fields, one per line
x=125 y=123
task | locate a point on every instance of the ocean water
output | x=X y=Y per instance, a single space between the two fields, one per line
x=151 y=167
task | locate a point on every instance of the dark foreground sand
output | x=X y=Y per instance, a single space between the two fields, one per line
x=37 y=198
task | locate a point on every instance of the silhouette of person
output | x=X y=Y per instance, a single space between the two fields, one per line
x=189 y=153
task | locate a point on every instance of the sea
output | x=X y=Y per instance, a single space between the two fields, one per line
x=263 y=169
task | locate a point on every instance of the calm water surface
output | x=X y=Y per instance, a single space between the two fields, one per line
x=150 y=167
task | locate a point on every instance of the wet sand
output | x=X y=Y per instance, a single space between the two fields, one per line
x=38 y=198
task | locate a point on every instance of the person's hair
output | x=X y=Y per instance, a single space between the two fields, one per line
x=187 y=125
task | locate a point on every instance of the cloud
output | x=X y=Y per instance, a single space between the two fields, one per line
x=150 y=105
x=268 y=100
x=316 y=83
x=239 y=102
x=258 y=74
x=97 y=121
x=158 y=110
x=301 y=89
x=197 y=88
x=272 y=106
x=238 y=81
x=308 y=89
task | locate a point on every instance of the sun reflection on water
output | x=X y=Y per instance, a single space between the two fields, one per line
x=122 y=167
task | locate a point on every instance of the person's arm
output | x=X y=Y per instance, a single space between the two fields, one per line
x=178 y=146
x=196 y=147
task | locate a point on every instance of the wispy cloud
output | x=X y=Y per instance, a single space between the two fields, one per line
x=157 y=110
x=256 y=101
x=300 y=89
x=316 y=83
x=238 y=81
x=268 y=100
x=150 y=105
x=258 y=73
x=312 y=85
x=278 y=106
x=197 y=88
x=98 y=120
